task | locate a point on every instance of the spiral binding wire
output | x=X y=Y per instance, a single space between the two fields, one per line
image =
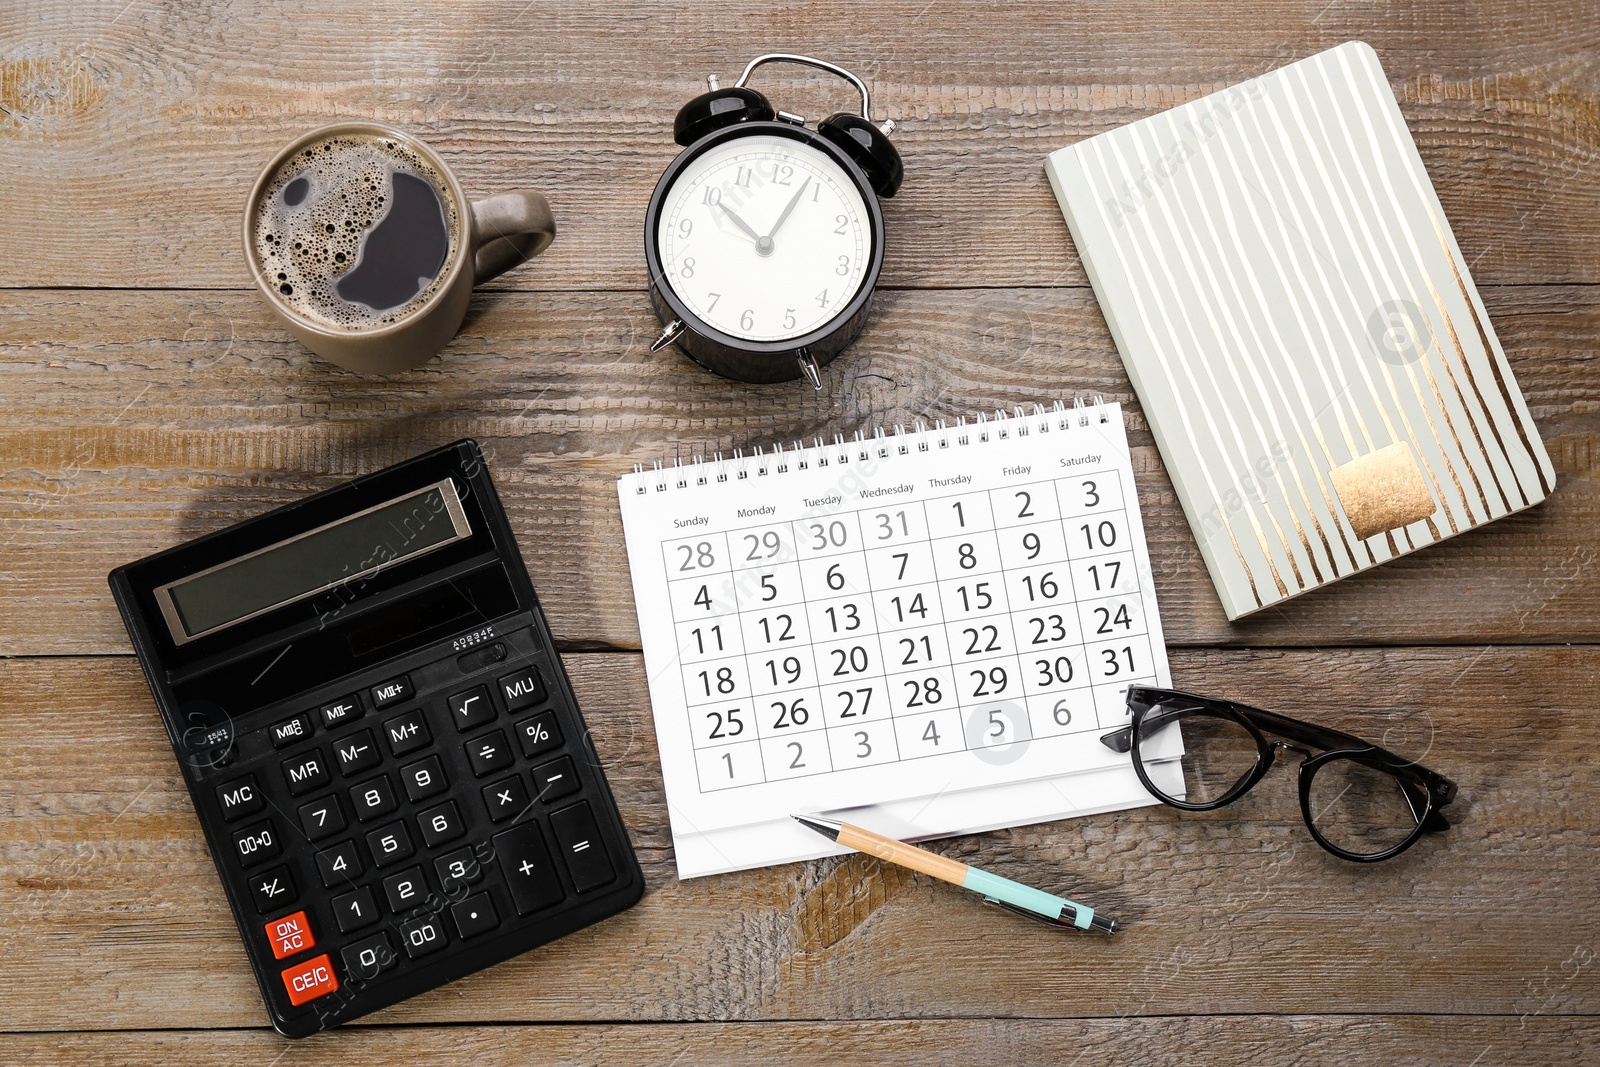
x=777 y=460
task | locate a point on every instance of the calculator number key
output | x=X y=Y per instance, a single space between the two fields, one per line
x=390 y=844
x=321 y=818
x=356 y=753
x=339 y=865
x=256 y=844
x=489 y=753
x=407 y=732
x=405 y=890
x=463 y=868
x=440 y=824
x=424 y=779
x=305 y=773
x=355 y=909
x=369 y=957
x=422 y=936
x=373 y=798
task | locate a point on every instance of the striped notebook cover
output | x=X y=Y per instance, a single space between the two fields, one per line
x=1300 y=326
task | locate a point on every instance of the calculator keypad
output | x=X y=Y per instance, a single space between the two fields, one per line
x=378 y=844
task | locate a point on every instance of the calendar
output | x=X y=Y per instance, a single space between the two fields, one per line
x=910 y=614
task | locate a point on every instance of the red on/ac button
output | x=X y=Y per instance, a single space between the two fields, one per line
x=310 y=980
x=290 y=934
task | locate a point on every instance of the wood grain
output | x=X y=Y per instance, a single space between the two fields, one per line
x=134 y=421
x=131 y=132
x=111 y=916
x=1183 y=1042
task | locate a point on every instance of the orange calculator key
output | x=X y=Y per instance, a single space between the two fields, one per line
x=310 y=980
x=290 y=934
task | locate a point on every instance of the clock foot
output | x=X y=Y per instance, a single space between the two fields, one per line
x=669 y=335
x=809 y=368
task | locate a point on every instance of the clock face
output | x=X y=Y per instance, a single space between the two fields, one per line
x=764 y=237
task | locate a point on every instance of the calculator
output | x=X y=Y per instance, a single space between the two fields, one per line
x=379 y=738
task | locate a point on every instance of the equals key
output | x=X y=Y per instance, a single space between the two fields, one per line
x=580 y=844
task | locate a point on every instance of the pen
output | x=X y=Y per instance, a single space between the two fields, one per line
x=1013 y=896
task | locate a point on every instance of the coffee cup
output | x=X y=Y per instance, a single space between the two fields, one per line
x=362 y=241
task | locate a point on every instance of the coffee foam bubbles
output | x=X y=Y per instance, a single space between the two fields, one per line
x=316 y=211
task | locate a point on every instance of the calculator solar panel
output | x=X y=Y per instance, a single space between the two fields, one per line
x=380 y=740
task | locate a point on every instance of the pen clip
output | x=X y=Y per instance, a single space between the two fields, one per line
x=1105 y=926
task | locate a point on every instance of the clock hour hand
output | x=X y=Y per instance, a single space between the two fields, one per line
x=763 y=244
x=793 y=200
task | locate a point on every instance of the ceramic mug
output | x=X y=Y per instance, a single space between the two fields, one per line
x=362 y=241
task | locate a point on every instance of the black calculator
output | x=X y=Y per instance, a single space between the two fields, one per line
x=380 y=740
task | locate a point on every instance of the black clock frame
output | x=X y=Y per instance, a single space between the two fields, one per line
x=762 y=361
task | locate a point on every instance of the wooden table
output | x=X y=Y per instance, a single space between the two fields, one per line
x=148 y=397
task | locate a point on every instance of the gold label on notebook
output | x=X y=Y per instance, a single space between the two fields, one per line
x=1382 y=491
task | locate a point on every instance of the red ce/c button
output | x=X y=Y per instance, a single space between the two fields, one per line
x=310 y=980
x=290 y=934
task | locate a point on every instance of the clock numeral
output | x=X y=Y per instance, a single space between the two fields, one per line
x=842 y=220
x=781 y=173
x=714 y=298
x=788 y=318
x=747 y=320
x=844 y=265
x=816 y=191
x=822 y=298
x=743 y=178
x=686 y=227
x=713 y=196
x=687 y=270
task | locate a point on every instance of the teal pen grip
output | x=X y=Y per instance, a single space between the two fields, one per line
x=1035 y=900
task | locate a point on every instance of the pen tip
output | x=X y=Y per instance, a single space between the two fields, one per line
x=826 y=827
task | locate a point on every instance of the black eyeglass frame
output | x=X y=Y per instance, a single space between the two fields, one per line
x=1417 y=784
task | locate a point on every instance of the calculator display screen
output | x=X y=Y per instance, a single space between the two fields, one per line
x=312 y=562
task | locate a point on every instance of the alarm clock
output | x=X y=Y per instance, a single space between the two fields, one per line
x=764 y=237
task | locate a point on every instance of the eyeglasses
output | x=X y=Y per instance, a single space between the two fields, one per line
x=1360 y=802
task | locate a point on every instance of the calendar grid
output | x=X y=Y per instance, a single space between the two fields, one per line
x=797 y=678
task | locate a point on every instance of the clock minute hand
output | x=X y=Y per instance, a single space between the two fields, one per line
x=793 y=200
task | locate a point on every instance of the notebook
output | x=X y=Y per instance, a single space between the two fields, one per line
x=1304 y=335
x=933 y=626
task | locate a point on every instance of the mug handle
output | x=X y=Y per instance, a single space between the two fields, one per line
x=508 y=230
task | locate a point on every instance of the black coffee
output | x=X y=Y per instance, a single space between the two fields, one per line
x=355 y=231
